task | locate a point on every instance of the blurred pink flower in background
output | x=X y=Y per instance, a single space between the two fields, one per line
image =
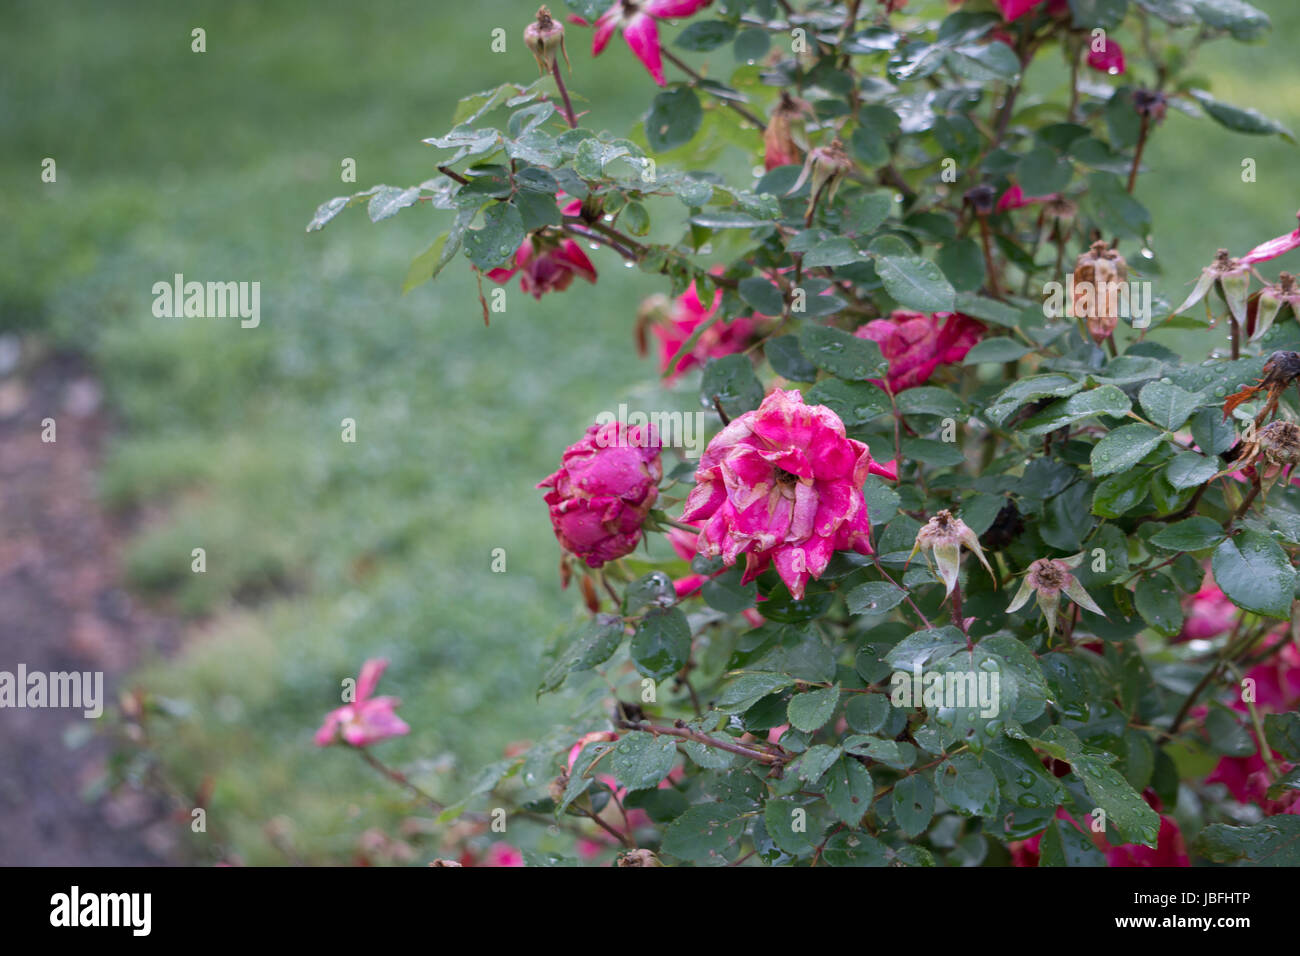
x=686 y=315
x=1207 y=614
x=546 y=263
x=916 y=344
x=1109 y=59
x=367 y=719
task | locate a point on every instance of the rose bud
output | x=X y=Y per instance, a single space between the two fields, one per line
x=544 y=36
x=1049 y=578
x=1097 y=276
x=606 y=485
x=944 y=536
x=982 y=199
x=1151 y=105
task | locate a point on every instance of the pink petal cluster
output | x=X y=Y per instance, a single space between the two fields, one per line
x=367 y=719
x=688 y=315
x=916 y=344
x=1015 y=9
x=546 y=264
x=782 y=485
x=1272 y=248
x=1207 y=614
x=637 y=18
x=605 y=486
x=1109 y=59
x=1015 y=198
x=1277 y=690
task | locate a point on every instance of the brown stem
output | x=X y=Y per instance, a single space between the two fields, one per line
x=1137 y=153
x=686 y=733
x=453 y=175
x=995 y=289
x=564 y=95
x=675 y=61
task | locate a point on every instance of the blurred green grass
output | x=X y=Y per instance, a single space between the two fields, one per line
x=321 y=553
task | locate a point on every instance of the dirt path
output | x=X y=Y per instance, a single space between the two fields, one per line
x=62 y=608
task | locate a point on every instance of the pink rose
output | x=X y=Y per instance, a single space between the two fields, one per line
x=546 y=263
x=503 y=854
x=916 y=344
x=606 y=485
x=782 y=484
x=1015 y=198
x=637 y=18
x=367 y=719
x=688 y=314
x=1209 y=613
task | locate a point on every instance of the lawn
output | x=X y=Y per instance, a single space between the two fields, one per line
x=321 y=553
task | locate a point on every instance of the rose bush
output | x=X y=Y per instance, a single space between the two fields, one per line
x=929 y=261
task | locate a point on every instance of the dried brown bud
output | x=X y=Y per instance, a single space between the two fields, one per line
x=1098 y=275
x=638 y=858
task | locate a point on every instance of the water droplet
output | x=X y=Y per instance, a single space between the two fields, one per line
x=1028 y=801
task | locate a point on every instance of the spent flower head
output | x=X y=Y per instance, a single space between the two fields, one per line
x=944 y=536
x=1049 y=578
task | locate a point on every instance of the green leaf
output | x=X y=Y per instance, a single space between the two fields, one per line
x=1064 y=845
x=913 y=804
x=704 y=35
x=855 y=402
x=874 y=597
x=640 y=760
x=968 y=786
x=810 y=765
x=1188 y=469
x=1000 y=349
x=426 y=265
x=810 y=710
x=1227 y=736
x=705 y=832
x=389 y=200
x=1255 y=573
x=760 y=293
x=1191 y=534
x=1274 y=842
x=674 y=119
x=662 y=643
x=867 y=713
x=1283 y=733
x=1121 y=493
x=595 y=643
x=854 y=848
x=1042 y=171
x=725 y=593
x=927 y=400
x=1241 y=119
x=732 y=382
x=984 y=63
x=1157 y=601
x=1168 y=405
x=1107 y=788
x=1123 y=448
x=1239 y=18
x=841 y=353
x=849 y=790
x=495 y=243
x=1106 y=400
x=752 y=45
x=788 y=361
x=748 y=689
x=916 y=283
